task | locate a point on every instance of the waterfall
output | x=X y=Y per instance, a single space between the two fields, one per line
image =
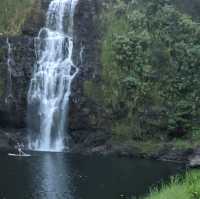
x=10 y=61
x=50 y=86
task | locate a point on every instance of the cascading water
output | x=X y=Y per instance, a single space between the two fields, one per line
x=50 y=86
x=9 y=72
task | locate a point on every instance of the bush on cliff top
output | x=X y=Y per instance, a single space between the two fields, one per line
x=13 y=14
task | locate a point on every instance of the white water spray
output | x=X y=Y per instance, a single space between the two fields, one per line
x=50 y=86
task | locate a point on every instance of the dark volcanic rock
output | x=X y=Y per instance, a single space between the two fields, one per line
x=194 y=159
x=10 y=138
x=13 y=105
x=88 y=122
x=174 y=155
x=13 y=94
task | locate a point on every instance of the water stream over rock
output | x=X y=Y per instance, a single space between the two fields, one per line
x=50 y=86
x=10 y=61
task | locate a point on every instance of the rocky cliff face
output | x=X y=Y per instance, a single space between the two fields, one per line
x=13 y=104
x=86 y=118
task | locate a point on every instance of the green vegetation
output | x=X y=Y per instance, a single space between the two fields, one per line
x=187 y=187
x=150 y=76
x=13 y=14
x=150 y=147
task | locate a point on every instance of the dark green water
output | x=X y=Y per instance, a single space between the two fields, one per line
x=62 y=176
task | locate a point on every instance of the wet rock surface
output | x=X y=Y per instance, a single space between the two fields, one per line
x=10 y=137
x=194 y=159
x=13 y=105
x=174 y=155
x=88 y=122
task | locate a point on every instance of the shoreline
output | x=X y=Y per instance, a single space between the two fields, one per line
x=179 y=151
x=167 y=153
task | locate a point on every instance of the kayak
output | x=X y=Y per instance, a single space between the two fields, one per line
x=19 y=155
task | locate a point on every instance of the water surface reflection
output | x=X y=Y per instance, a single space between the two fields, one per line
x=63 y=176
x=52 y=177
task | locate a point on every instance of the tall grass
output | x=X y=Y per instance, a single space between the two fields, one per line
x=187 y=187
x=12 y=15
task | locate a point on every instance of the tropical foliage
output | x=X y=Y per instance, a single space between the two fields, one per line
x=151 y=70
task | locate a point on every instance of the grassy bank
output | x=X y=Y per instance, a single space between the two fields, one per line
x=13 y=14
x=187 y=187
